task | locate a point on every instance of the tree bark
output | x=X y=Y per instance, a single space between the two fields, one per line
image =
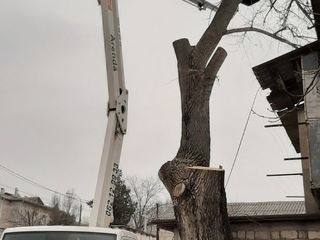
x=197 y=191
x=316 y=13
x=203 y=205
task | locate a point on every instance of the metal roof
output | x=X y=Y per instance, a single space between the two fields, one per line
x=266 y=208
x=239 y=209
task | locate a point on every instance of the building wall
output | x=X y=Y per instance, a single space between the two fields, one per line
x=303 y=230
x=4 y=213
x=144 y=236
x=18 y=213
x=165 y=235
x=271 y=230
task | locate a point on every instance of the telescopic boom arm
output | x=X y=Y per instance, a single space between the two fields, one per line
x=101 y=215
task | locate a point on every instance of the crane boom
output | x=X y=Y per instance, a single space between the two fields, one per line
x=101 y=215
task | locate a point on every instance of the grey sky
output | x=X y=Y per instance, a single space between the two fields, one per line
x=53 y=97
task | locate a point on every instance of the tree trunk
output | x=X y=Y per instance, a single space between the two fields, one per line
x=202 y=210
x=316 y=10
x=197 y=191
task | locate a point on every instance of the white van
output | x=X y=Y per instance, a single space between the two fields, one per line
x=66 y=233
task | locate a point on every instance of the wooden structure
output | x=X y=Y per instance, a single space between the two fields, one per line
x=294 y=83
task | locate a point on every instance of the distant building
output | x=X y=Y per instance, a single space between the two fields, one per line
x=22 y=211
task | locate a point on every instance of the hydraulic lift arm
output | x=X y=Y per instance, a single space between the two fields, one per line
x=101 y=215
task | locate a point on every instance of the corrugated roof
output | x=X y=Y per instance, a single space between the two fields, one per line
x=240 y=209
x=266 y=208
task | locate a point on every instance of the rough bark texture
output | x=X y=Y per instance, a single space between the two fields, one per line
x=316 y=13
x=201 y=209
x=198 y=192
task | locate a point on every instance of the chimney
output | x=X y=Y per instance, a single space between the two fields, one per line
x=16 y=192
x=2 y=191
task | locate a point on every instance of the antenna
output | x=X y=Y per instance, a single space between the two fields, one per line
x=202 y=4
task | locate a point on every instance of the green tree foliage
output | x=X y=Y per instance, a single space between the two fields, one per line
x=123 y=206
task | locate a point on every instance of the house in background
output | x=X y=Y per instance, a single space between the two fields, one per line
x=22 y=211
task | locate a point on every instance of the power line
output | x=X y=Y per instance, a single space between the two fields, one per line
x=17 y=175
x=242 y=136
x=45 y=200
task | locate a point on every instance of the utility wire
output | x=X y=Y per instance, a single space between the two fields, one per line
x=242 y=136
x=47 y=201
x=17 y=175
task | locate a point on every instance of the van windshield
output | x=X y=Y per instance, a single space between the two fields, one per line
x=59 y=236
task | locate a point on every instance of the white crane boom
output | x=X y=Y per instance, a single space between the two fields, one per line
x=101 y=215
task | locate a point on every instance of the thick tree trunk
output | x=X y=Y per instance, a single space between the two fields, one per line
x=202 y=210
x=197 y=191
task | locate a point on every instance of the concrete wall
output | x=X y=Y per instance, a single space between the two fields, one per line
x=18 y=213
x=291 y=230
x=165 y=235
x=145 y=237
x=4 y=213
x=253 y=229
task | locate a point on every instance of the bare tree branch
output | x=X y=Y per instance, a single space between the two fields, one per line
x=264 y=32
x=270 y=9
x=145 y=193
x=304 y=11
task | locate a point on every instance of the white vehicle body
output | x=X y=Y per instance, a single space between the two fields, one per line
x=68 y=232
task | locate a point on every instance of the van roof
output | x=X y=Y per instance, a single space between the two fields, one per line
x=70 y=229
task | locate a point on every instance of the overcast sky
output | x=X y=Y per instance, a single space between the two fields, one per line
x=53 y=98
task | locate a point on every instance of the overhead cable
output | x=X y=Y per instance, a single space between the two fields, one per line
x=17 y=175
x=242 y=136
